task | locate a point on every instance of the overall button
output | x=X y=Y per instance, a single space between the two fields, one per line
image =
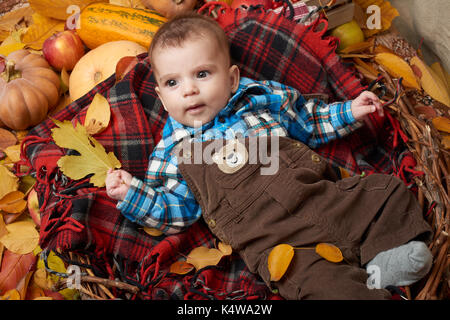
x=298 y=144
x=315 y=158
x=212 y=223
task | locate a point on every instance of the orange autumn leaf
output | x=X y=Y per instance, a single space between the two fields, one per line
x=441 y=124
x=397 y=67
x=153 y=231
x=387 y=14
x=181 y=267
x=280 y=258
x=329 y=252
x=13 y=202
x=201 y=257
x=446 y=142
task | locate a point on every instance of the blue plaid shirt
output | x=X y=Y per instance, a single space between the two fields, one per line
x=163 y=200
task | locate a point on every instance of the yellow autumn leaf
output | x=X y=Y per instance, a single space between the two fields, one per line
x=22 y=237
x=440 y=72
x=93 y=158
x=13 y=152
x=41 y=29
x=9 y=182
x=280 y=258
x=441 y=124
x=225 y=248
x=40 y=279
x=9 y=20
x=98 y=115
x=201 y=257
x=7 y=49
x=397 y=67
x=12 y=294
x=430 y=81
x=55 y=263
x=329 y=252
x=153 y=231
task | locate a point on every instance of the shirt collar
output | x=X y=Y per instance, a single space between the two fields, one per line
x=245 y=85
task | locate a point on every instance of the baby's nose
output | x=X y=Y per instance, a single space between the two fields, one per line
x=190 y=88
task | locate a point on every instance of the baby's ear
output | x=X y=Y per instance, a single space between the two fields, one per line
x=158 y=92
x=234 y=77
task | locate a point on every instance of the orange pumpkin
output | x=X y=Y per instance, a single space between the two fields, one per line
x=170 y=8
x=29 y=88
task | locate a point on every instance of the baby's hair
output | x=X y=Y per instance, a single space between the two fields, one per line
x=186 y=26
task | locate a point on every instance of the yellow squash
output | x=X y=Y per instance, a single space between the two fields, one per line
x=103 y=22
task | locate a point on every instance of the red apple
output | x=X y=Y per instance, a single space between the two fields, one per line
x=33 y=207
x=2 y=63
x=124 y=65
x=63 y=49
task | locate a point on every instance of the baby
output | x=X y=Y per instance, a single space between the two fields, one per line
x=374 y=220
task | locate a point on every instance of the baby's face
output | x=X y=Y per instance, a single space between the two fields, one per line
x=195 y=80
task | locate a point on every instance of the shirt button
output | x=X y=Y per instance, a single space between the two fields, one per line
x=315 y=158
x=212 y=223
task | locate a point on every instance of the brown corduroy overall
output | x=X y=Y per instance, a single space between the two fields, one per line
x=302 y=205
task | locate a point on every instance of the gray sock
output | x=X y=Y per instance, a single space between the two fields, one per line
x=399 y=266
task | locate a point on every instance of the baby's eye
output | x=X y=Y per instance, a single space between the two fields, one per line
x=171 y=83
x=202 y=74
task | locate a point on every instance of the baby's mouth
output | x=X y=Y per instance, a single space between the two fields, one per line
x=195 y=108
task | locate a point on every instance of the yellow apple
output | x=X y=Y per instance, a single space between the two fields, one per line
x=348 y=33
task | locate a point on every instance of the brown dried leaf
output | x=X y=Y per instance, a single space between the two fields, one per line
x=357 y=47
x=7 y=138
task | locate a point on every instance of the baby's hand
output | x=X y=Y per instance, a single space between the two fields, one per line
x=117 y=183
x=367 y=102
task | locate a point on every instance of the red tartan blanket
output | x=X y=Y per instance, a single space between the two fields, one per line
x=79 y=218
